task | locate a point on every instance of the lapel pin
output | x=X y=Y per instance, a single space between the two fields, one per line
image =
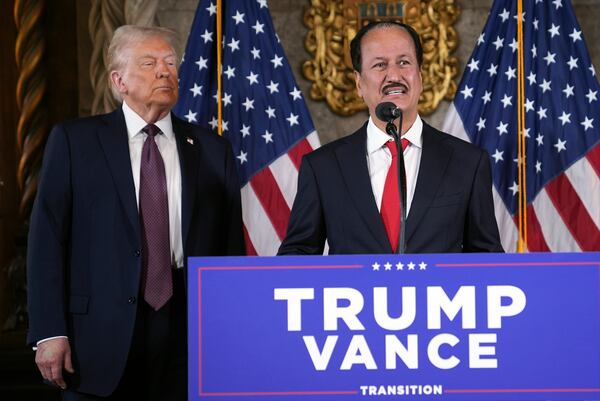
x=189 y=140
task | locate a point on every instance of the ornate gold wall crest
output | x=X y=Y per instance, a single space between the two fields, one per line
x=332 y=25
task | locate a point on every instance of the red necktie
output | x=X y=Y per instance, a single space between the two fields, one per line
x=157 y=282
x=390 y=202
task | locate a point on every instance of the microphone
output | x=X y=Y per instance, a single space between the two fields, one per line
x=387 y=111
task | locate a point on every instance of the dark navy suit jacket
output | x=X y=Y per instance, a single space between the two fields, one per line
x=452 y=209
x=84 y=251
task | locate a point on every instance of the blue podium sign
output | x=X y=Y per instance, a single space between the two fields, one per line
x=367 y=327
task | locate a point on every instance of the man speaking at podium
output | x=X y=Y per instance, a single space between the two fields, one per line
x=123 y=199
x=348 y=190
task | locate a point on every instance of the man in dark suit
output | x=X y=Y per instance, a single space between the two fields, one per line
x=122 y=199
x=348 y=192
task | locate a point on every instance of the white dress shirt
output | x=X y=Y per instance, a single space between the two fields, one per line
x=167 y=145
x=379 y=159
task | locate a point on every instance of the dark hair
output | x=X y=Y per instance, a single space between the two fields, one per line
x=355 y=51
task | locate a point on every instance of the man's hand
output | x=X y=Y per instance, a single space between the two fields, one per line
x=51 y=357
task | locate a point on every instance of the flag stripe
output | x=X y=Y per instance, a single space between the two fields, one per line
x=535 y=237
x=313 y=139
x=587 y=185
x=557 y=235
x=286 y=176
x=298 y=151
x=508 y=230
x=250 y=251
x=273 y=203
x=593 y=157
x=261 y=232
x=573 y=213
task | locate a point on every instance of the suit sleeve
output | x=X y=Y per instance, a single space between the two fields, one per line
x=481 y=229
x=234 y=229
x=49 y=241
x=306 y=231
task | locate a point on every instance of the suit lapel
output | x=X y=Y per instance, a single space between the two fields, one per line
x=114 y=141
x=352 y=159
x=434 y=159
x=187 y=147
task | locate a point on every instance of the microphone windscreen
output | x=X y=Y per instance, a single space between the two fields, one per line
x=386 y=111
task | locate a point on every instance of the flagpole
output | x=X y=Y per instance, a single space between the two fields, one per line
x=219 y=63
x=521 y=164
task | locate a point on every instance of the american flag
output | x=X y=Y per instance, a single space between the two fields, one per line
x=562 y=123
x=264 y=114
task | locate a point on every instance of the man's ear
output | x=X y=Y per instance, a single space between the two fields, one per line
x=357 y=82
x=117 y=81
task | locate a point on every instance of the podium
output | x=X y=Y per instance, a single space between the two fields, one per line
x=370 y=327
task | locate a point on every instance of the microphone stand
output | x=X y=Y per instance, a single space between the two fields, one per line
x=390 y=128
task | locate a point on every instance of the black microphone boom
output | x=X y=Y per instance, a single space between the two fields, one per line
x=387 y=111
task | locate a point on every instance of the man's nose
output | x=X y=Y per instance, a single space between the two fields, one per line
x=394 y=73
x=162 y=70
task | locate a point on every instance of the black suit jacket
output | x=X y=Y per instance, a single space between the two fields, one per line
x=452 y=209
x=84 y=252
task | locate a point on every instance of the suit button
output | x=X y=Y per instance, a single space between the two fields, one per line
x=131 y=300
x=137 y=253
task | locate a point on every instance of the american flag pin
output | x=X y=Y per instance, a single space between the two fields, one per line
x=189 y=140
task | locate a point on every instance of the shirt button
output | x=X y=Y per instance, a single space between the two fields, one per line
x=131 y=300
x=137 y=253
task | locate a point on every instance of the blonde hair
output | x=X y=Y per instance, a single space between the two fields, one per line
x=127 y=36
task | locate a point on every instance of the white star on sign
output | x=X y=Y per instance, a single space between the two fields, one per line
x=498 y=42
x=293 y=119
x=572 y=63
x=277 y=61
x=202 y=63
x=242 y=157
x=550 y=58
x=502 y=128
x=473 y=65
x=545 y=86
x=268 y=136
x=467 y=92
x=498 y=156
x=245 y=130
x=191 y=117
x=576 y=35
x=207 y=36
x=253 y=78
x=529 y=105
x=196 y=90
x=411 y=266
x=230 y=72
x=591 y=96
x=270 y=112
x=248 y=104
x=234 y=45
x=388 y=266
x=511 y=73
x=422 y=266
x=273 y=87
x=553 y=31
x=542 y=113
x=399 y=266
x=212 y=9
x=376 y=266
x=587 y=123
x=258 y=27
x=296 y=94
x=560 y=145
x=238 y=17
x=565 y=118
x=568 y=91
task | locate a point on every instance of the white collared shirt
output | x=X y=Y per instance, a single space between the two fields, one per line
x=167 y=146
x=379 y=159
